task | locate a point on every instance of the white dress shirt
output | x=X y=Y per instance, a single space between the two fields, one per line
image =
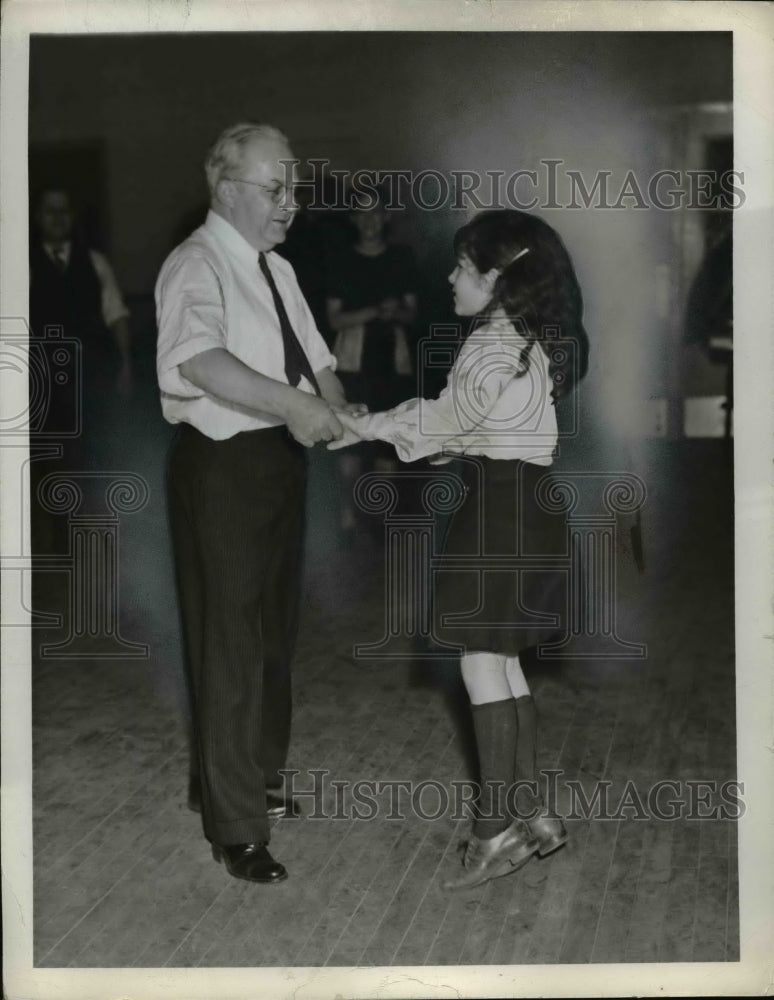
x=492 y=405
x=113 y=306
x=210 y=293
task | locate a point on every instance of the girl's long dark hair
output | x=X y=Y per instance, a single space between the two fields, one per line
x=538 y=291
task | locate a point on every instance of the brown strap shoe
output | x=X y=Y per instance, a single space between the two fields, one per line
x=493 y=858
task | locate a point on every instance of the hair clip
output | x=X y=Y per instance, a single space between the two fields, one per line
x=519 y=254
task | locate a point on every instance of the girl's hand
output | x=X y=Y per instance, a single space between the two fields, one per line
x=353 y=425
x=353 y=409
x=349 y=437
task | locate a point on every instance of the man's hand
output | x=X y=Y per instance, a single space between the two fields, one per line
x=311 y=419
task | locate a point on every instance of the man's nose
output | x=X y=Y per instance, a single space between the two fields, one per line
x=288 y=202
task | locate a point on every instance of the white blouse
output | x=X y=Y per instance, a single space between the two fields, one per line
x=492 y=405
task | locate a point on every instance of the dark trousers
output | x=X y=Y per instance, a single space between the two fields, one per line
x=237 y=516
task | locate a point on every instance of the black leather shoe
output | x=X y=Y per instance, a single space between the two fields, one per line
x=549 y=832
x=251 y=862
x=278 y=807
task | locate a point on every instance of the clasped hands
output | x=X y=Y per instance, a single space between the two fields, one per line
x=351 y=418
x=314 y=419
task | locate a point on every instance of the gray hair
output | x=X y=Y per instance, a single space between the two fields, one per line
x=225 y=154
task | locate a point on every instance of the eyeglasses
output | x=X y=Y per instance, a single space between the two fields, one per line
x=276 y=194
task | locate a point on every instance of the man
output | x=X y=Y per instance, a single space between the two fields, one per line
x=72 y=289
x=73 y=286
x=244 y=371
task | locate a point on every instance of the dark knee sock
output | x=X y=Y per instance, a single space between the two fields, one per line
x=526 y=752
x=496 y=727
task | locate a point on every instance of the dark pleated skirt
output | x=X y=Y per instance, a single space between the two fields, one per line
x=506 y=594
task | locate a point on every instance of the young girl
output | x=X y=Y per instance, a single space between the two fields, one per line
x=526 y=348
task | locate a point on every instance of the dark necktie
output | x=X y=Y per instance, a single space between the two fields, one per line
x=296 y=361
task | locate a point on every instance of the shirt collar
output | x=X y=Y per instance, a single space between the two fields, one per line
x=53 y=249
x=231 y=239
x=498 y=324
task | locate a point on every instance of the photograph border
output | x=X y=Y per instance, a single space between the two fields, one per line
x=751 y=24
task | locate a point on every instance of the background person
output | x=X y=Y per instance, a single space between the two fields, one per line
x=73 y=286
x=73 y=289
x=371 y=305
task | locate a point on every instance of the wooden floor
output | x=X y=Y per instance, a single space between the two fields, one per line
x=123 y=876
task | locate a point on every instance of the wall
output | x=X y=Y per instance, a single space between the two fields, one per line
x=475 y=101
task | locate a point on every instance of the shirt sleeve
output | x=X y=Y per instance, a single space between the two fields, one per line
x=113 y=305
x=422 y=427
x=191 y=320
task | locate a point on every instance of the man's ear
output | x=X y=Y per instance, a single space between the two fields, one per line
x=225 y=192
